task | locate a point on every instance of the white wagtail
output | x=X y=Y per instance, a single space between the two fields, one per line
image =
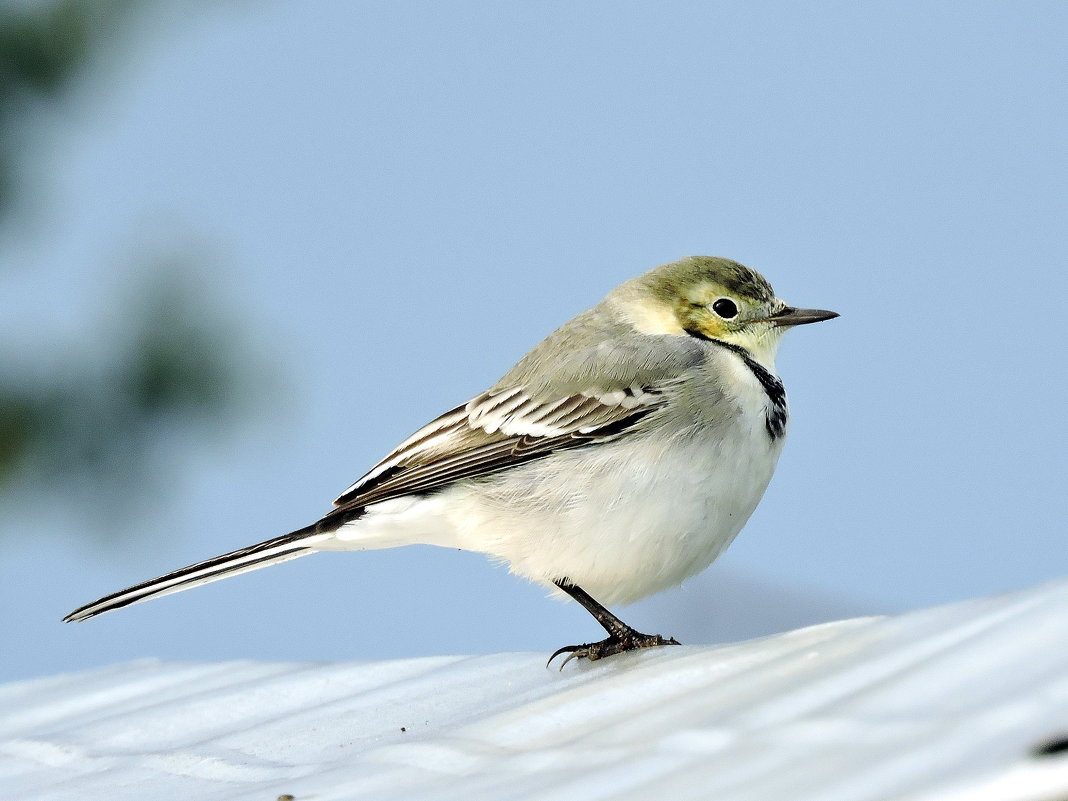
x=616 y=459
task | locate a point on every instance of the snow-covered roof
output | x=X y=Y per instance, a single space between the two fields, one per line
x=967 y=701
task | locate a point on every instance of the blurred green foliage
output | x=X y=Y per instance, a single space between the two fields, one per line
x=96 y=421
x=43 y=44
x=43 y=47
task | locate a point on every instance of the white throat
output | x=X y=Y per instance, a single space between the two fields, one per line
x=764 y=346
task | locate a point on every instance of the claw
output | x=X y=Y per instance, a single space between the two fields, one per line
x=632 y=641
x=574 y=651
x=577 y=654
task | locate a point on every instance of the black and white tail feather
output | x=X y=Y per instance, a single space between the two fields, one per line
x=495 y=431
x=271 y=552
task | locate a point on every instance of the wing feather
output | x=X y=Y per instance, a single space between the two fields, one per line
x=496 y=431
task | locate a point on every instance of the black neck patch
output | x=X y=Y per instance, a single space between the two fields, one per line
x=777 y=414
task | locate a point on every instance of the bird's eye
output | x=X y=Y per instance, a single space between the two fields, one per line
x=725 y=308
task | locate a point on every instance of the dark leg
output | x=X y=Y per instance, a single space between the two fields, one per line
x=621 y=637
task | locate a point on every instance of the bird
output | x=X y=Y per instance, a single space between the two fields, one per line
x=616 y=459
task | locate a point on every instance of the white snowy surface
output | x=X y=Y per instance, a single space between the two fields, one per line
x=943 y=703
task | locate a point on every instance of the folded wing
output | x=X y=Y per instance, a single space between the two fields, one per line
x=496 y=431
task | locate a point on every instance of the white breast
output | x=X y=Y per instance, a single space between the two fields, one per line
x=633 y=517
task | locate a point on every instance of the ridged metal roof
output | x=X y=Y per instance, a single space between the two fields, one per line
x=967 y=701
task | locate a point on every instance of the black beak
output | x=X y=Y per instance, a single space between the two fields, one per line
x=792 y=316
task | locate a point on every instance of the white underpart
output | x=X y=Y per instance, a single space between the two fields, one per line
x=761 y=343
x=622 y=520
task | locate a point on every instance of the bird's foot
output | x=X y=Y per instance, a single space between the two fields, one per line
x=630 y=640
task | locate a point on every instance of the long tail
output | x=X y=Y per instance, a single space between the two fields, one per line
x=280 y=549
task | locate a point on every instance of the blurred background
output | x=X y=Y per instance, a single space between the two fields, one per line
x=245 y=248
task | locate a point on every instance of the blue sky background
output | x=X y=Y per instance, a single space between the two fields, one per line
x=396 y=200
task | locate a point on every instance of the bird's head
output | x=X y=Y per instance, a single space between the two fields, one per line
x=714 y=299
